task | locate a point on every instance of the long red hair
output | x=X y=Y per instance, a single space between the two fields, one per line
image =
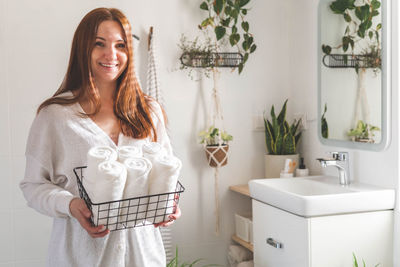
x=131 y=106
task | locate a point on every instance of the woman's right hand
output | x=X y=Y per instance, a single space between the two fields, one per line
x=81 y=212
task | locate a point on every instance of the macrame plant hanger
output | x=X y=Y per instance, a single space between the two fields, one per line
x=217 y=120
x=361 y=101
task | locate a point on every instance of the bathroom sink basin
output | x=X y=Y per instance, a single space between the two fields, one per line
x=320 y=195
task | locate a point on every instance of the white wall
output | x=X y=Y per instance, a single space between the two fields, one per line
x=35 y=38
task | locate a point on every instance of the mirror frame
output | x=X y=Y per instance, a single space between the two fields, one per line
x=386 y=106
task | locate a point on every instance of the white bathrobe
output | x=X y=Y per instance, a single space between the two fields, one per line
x=58 y=141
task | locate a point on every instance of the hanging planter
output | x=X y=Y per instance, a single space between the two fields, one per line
x=217 y=155
x=216 y=146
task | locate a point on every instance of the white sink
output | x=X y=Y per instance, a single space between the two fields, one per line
x=320 y=195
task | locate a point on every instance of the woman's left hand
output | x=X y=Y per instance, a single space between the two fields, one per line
x=172 y=218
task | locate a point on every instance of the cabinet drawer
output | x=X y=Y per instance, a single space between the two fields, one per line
x=281 y=239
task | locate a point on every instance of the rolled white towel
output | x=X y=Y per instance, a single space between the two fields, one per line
x=163 y=178
x=107 y=184
x=152 y=150
x=95 y=156
x=134 y=210
x=125 y=152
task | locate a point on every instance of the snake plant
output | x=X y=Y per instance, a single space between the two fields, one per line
x=280 y=137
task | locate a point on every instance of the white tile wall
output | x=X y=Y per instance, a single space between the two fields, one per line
x=17 y=174
x=7 y=237
x=32 y=233
x=29 y=264
x=5 y=184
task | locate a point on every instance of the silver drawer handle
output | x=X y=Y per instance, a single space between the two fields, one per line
x=274 y=243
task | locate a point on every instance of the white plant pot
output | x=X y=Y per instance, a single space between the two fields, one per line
x=274 y=164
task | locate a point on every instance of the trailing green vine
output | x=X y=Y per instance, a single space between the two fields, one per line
x=224 y=17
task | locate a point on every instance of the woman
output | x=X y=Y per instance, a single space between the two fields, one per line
x=99 y=103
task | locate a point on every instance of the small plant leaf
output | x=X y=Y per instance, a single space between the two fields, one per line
x=240 y=68
x=219 y=32
x=379 y=26
x=245 y=26
x=371 y=35
x=204 y=6
x=253 y=48
x=375 y=4
x=244 y=12
x=246 y=56
x=282 y=115
x=242 y=3
x=347 y=17
x=326 y=49
x=218 y=5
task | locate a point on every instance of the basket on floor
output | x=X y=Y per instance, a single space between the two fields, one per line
x=130 y=212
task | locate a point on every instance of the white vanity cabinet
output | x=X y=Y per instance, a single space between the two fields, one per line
x=283 y=239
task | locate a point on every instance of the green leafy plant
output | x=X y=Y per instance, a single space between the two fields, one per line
x=359 y=27
x=324 y=124
x=363 y=131
x=355 y=263
x=202 y=48
x=213 y=137
x=280 y=137
x=224 y=17
x=175 y=262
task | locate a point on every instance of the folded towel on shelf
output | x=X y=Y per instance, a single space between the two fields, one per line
x=106 y=184
x=238 y=254
x=95 y=156
x=163 y=179
x=125 y=152
x=134 y=210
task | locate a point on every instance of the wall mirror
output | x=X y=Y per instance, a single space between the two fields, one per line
x=354 y=73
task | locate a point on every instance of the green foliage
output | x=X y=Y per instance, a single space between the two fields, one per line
x=224 y=17
x=355 y=263
x=359 y=27
x=324 y=124
x=213 y=136
x=363 y=131
x=280 y=137
x=192 y=49
x=175 y=262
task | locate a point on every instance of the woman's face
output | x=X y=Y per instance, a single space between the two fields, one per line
x=109 y=56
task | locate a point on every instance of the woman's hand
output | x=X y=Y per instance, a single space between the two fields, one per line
x=80 y=211
x=172 y=218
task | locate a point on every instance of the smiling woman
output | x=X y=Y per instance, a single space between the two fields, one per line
x=99 y=103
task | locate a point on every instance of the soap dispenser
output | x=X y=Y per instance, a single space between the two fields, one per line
x=301 y=170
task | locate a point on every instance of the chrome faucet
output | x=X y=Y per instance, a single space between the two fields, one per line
x=341 y=161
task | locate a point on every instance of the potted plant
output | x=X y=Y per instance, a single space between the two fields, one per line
x=216 y=146
x=364 y=132
x=359 y=34
x=195 y=55
x=281 y=141
x=226 y=19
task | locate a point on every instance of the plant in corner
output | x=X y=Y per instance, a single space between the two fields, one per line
x=281 y=140
x=216 y=145
x=355 y=262
x=364 y=132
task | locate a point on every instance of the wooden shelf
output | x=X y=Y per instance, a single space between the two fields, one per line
x=241 y=189
x=245 y=244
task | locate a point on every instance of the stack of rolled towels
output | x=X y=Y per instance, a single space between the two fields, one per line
x=119 y=177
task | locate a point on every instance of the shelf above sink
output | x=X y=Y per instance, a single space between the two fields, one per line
x=320 y=195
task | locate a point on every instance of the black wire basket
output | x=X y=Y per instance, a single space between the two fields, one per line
x=131 y=212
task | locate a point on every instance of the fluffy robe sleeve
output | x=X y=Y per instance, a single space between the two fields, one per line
x=44 y=188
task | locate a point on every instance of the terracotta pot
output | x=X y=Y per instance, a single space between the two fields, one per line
x=219 y=153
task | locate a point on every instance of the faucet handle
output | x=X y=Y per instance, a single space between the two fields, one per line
x=342 y=156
